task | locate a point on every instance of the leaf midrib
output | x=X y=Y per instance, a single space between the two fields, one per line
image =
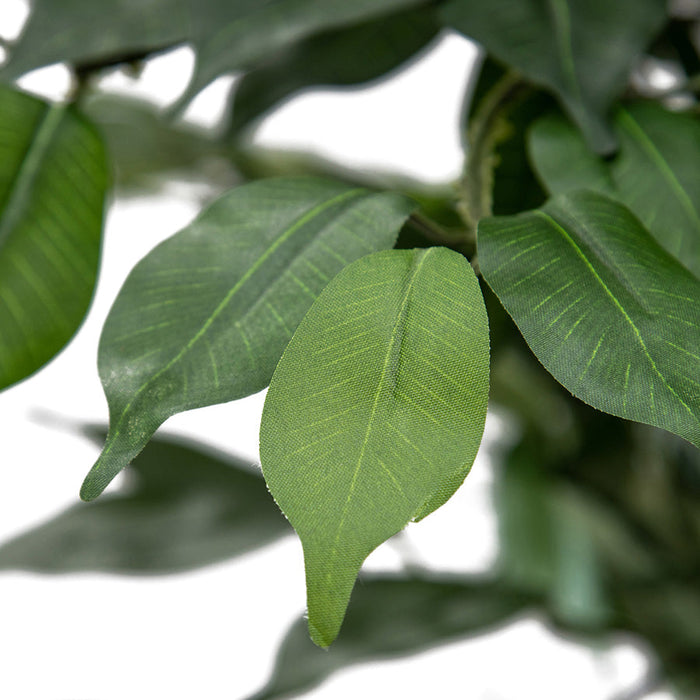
x=397 y=332
x=553 y=222
x=20 y=190
x=637 y=133
x=222 y=305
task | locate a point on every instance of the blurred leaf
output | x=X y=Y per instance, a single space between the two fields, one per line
x=390 y=617
x=346 y=56
x=581 y=50
x=145 y=147
x=383 y=388
x=227 y=35
x=604 y=308
x=655 y=172
x=205 y=316
x=53 y=181
x=257 y=30
x=183 y=506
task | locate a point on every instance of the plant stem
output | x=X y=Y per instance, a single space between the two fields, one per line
x=460 y=242
x=487 y=129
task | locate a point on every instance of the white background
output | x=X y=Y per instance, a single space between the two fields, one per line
x=213 y=633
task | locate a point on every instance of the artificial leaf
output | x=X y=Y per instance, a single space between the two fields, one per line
x=610 y=314
x=376 y=408
x=346 y=56
x=226 y=35
x=655 y=172
x=390 y=617
x=183 y=506
x=581 y=50
x=145 y=147
x=205 y=316
x=53 y=181
x=258 y=29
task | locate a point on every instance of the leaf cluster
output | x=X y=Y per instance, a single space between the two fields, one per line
x=559 y=280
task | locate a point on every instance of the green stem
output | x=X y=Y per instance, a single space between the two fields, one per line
x=461 y=242
x=487 y=129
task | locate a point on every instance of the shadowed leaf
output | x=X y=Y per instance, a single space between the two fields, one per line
x=391 y=617
x=581 y=50
x=53 y=181
x=655 y=172
x=375 y=412
x=343 y=57
x=204 y=317
x=183 y=506
x=605 y=309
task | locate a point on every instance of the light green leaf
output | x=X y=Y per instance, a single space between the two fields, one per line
x=655 y=172
x=346 y=56
x=582 y=50
x=390 y=617
x=376 y=407
x=183 y=506
x=205 y=316
x=53 y=180
x=610 y=314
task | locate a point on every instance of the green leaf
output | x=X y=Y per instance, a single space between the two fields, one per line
x=346 y=56
x=183 y=506
x=53 y=180
x=391 y=617
x=205 y=316
x=145 y=148
x=581 y=50
x=655 y=172
x=605 y=309
x=256 y=30
x=226 y=35
x=376 y=408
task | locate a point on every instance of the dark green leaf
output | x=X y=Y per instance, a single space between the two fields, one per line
x=605 y=309
x=391 y=617
x=582 y=50
x=183 y=506
x=342 y=57
x=255 y=30
x=53 y=180
x=205 y=316
x=655 y=172
x=227 y=35
x=375 y=412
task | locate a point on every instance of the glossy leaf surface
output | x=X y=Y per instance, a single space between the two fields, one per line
x=346 y=56
x=582 y=50
x=376 y=408
x=655 y=172
x=391 y=617
x=53 y=181
x=205 y=316
x=605 y=309
x=183 y=506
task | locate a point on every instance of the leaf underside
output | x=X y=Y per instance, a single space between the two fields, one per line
x=205 y=316
x=376 y=408
x=53 y=180
x=609 y=313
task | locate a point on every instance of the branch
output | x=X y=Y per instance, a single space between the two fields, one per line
x=487 y=130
